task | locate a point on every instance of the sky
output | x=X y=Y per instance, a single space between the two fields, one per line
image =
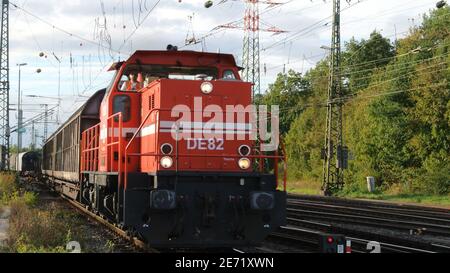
x=79 y=39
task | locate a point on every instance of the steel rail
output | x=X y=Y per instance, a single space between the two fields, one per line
x=364 y=202
x=408 y=226
x=387 y=242
x=429 y=221
x=133 y=240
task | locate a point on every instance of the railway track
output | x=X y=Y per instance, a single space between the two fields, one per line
x=334 y=215
x=301 y=235
x=123 y=242
x=307 y=238
x=309 y=216
x=410 y=209
x=140 y=245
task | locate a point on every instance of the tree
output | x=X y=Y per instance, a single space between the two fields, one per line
x=362 y=58
x=288 y=92
x=307 y=133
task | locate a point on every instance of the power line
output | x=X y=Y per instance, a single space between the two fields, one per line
x=412 y=52
x=138 y=26
x=391 y=70
x=61 y=29
x=216 y=30
x=404 y=75
x=355 y=97
x=308 y=29
x=315 y=26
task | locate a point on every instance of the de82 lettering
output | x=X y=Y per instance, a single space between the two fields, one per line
x=212 y=144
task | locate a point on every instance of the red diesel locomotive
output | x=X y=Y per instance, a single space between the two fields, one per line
x=150 y=153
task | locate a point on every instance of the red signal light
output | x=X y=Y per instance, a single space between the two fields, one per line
x=330 y=240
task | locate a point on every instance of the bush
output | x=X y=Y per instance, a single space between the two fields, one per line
x=8 y=184
x=34 y=230
x=435 y=178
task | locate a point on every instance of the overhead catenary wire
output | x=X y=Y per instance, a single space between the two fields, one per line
x=61 y=29
x=354 y=97
x=384 y=59
x=139 y=25
x=309 y=28
x=216 y=30
x=375 y=83
x=387 y=12
x=405 y=66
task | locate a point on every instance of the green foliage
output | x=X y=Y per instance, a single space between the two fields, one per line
x=397 y=126
x=305 y=137
x=7 y=183
x=110 y=246
x=362 y=58
x=23 y=245
x=287 y=92
x=36 y=230
x=435 y=177
x=14 y=149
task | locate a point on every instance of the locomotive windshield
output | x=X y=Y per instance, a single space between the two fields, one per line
x=136 y=77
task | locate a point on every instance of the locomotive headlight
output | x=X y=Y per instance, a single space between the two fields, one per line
x=207 y=88
x=166 y=149
x=244 y=150
x=244 y=163
x=166 y=162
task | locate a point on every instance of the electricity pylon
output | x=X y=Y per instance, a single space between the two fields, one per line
x=334 y=153
x=4 y=82
x=251 y=46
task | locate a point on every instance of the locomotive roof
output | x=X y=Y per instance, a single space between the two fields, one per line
x=179 y=58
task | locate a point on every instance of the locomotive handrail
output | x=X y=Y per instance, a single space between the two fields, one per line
x=138 y=131
x=87 y=153
x=118 y=143
x=90 y=145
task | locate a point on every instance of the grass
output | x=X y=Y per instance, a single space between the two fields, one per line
x=35 y=227
x=423 y=199
x=303 y=187
x=8 y=186
x=42 y=226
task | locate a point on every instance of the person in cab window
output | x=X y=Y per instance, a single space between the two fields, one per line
x=140 y=82
x=228 y=75
x=132 y=84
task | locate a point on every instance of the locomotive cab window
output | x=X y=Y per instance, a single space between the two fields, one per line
x=122 y=104
x=136 y=77
x=229 y=75
x=131 y=82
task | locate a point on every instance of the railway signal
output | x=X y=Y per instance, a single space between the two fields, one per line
x=333 y=243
